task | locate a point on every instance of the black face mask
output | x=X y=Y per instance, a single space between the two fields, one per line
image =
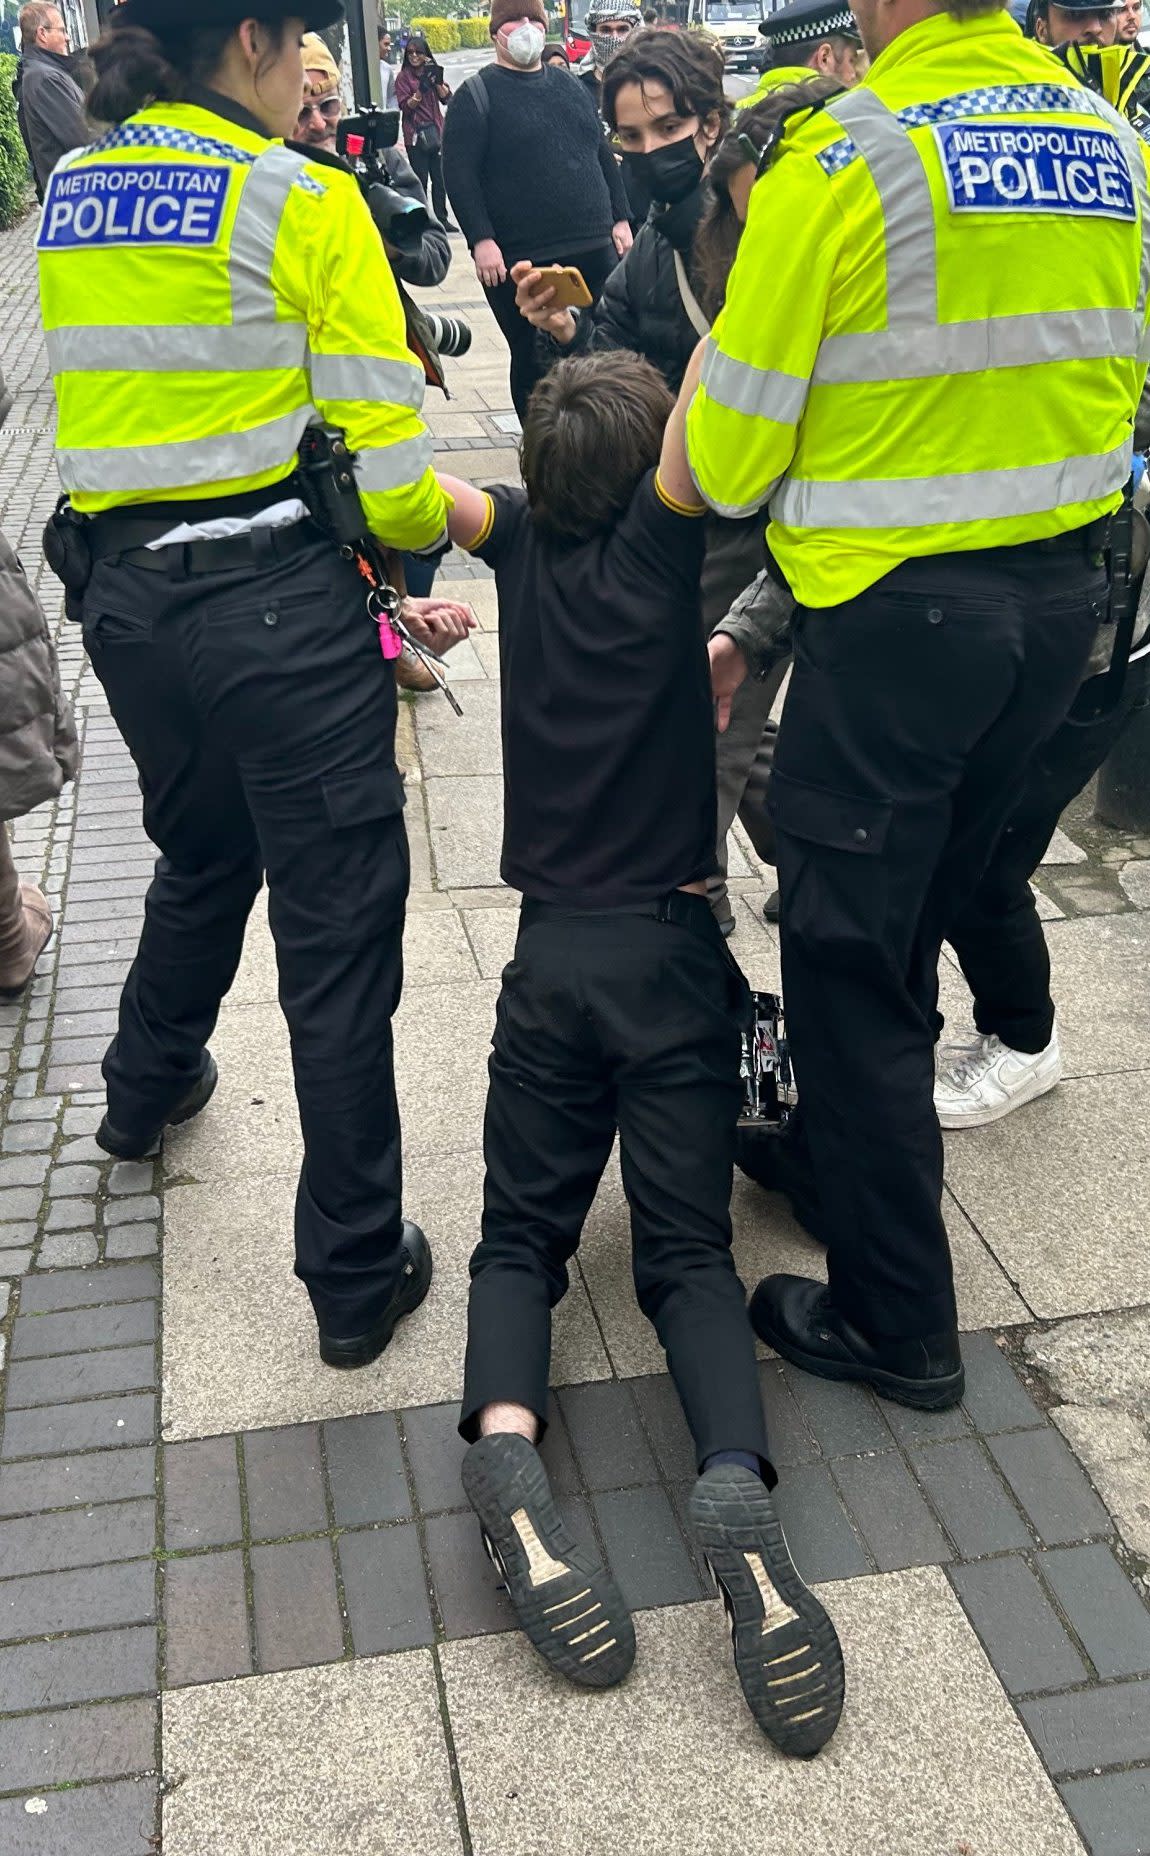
x=663 y=177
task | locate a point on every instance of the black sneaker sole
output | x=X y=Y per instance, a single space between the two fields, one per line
x=918 y=1394
x=787 y=1653
x=568 y=1606
x=364 y=1348
x=124 y=1147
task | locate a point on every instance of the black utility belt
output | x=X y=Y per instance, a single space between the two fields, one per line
x=74 y=543
x=255 y=548
x=679 y=906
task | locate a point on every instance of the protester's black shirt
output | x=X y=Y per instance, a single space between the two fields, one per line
x=608 y=732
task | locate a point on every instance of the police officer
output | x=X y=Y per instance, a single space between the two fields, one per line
x=1073 y=22
x=809 y=38
x=935 y=398
x=207 y=293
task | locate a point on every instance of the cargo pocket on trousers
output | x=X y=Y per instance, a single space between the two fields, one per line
x=832 y=868
x=363 y=795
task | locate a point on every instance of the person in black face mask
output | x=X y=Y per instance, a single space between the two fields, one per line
x=663 y=102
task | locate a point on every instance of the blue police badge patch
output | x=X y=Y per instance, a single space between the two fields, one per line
x=104 y=204
x=1035 y=168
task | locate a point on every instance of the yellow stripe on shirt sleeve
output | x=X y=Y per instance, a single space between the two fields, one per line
x=673 y=503
x=486 y=526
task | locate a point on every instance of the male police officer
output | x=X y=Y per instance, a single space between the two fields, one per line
x=1073 y=22
x=935 y=396
x=809 y=38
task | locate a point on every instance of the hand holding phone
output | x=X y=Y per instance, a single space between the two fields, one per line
x=570 y=287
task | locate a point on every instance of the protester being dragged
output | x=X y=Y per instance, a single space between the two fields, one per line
x=49 y=100
x=663 y=99
x=421 y=90
x=819 y=36
x=620 y=1013
x=530 y=175
x=610 y=23
x=37 y=754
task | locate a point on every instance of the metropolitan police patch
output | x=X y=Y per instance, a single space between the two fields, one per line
x=161 y=203
x=1035 y=168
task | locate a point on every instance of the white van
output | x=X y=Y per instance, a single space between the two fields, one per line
x=736 y=24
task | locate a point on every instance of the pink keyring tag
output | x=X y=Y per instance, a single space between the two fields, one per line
x=390 y=642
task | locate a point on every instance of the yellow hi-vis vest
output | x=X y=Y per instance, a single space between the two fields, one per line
x=206 y=293
x=934 y=333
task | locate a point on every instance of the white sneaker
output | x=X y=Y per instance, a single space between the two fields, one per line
x=980 y=1081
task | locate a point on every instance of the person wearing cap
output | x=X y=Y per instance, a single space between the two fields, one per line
x=902 y=246
x=1073 y=22
x=818 y=37
x=511 y=131
x=206 y=294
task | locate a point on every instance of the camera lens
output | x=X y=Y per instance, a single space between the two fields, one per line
x=451 y=335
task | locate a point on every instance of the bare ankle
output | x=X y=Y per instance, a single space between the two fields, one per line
x=514 y=1418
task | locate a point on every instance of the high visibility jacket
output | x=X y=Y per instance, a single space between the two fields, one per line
x=1120 y=73
x=934 y=333
x=206 y=293
x=773 y=79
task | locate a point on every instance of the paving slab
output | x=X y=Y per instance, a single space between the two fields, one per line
x=91 y=1820
x=348 y=1758
x=239 y=1334
x=929 y=1757
x=492 y=933
x=466 y=820
x=1061 y=1195
x=461 y=744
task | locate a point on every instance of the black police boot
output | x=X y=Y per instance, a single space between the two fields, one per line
x=127 y=1144
x=800 y=1321
x=771 y=907
x=777 y=1161
x=414 y=1282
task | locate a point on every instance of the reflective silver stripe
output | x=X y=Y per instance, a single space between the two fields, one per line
x=189 y=462
x=367 y=377
x=907 y=208
x=194 y=348
x=972 y=347
x=762 y=392
x=733 y=510
x=394 y=467
x=255 y=230
x=971 y=496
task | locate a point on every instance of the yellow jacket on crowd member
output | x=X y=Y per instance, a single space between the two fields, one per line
x=934 y=333
x=206 y=293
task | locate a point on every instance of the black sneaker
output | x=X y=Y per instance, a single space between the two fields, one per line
x=799 y=1320
x=141 y=1145
x=568 y=1606
x=774 y=1159
x=415 y=1281
x=771 y=907
x=787 y=1653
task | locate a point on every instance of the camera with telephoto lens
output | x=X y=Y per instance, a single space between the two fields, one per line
x=363 y=141
x=451 y=335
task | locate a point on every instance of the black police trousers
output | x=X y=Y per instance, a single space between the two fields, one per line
x=261 y=718
x=912 y=715
x=998 y=936
x=606 y=1022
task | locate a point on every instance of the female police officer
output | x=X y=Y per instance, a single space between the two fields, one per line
x=206 y=294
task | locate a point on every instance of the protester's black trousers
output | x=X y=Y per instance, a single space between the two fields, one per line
x=261 y=718
x=628 y=1022
x=912 y=715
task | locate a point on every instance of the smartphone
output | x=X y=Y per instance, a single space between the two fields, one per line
x=571 y=291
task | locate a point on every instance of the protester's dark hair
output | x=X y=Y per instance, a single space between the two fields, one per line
x=682 y=61
x=555 y=54
x=717 y=236
x=650 y=17
x=135 y=67
x=417 y=43
x=594 y=425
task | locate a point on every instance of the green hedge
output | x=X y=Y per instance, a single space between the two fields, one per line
x=15 y=178
x=442 y=35
x=474 y=34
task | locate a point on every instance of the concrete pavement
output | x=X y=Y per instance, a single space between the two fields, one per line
x=244 y=1610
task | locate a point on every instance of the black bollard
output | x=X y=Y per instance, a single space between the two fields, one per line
x=1123 y=797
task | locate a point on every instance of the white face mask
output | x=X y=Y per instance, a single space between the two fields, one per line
x=524 y=45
